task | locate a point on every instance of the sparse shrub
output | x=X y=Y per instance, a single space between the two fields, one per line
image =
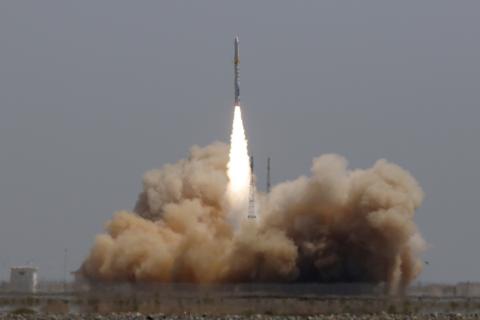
x=208 y=300
x=453 y=305
x=248 y=313
x=21 y=311
x=392 y=309
x=407 y=306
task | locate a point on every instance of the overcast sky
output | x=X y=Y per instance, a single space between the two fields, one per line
x=95 y=93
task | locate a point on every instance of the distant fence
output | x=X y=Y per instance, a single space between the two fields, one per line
x=463 y=289
x=245 y=289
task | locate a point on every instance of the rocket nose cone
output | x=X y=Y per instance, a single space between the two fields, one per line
x=236 y=39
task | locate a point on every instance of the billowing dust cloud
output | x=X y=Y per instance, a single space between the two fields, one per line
x=335 y=225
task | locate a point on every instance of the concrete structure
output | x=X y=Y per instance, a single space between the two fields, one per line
x=23 y=279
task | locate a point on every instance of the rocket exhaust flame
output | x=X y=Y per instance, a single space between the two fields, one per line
x=238 y=169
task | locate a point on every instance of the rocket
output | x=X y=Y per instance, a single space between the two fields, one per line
x=236 y=62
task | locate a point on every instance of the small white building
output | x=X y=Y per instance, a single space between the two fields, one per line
x=23 y=279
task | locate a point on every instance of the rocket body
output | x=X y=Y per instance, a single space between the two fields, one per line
x=236 y=62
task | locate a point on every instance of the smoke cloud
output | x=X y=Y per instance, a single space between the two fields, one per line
x=335 y=225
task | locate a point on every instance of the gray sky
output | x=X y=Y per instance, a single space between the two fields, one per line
x=94 y=93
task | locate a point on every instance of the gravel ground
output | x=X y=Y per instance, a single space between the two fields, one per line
x=138 y=316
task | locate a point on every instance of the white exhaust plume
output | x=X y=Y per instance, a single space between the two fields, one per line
x=238 y=170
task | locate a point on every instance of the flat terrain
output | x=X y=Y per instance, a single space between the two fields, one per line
x=245 y=306
x=244 y=300
x=132 y=316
